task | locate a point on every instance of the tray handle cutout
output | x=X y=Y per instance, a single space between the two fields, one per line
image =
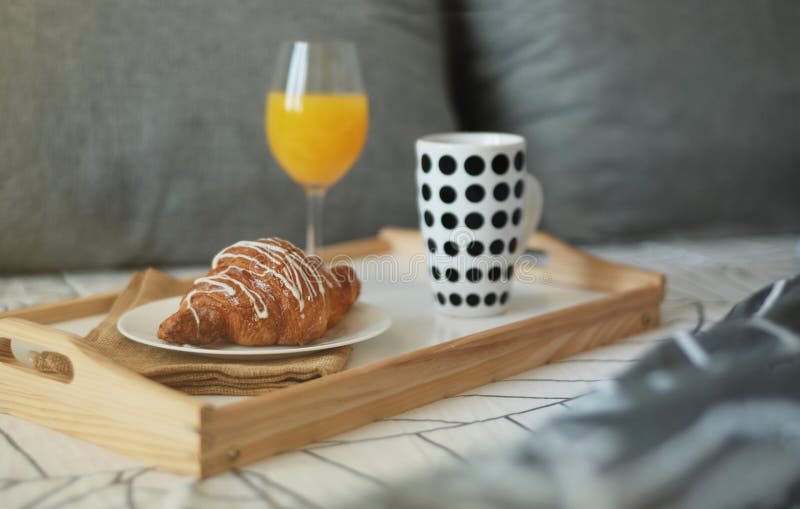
x=565 y=264
x=552 y=261
x=38 y=351
x=88 y=368
x=26 y=357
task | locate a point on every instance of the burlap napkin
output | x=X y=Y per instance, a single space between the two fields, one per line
x=193 y=374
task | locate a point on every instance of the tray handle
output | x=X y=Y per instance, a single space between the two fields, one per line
x=571 y=266
x=564 y=264
x=103 y=402
x=89 y=368
x=19 y=337
x=63 y=346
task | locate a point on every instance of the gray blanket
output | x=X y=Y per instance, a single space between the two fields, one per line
x=710 y=420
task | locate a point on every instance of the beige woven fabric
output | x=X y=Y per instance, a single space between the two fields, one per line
x=191 y=373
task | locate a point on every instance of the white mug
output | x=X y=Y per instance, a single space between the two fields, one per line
x=477 y=206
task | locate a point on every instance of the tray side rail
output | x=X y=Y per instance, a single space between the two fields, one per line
x=244 y=432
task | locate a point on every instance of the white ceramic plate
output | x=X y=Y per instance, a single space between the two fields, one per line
x=363 y=321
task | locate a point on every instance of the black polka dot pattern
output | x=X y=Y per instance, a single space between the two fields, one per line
x=426 y=192
x=474 y=220
x=447 y=165
x=499 y=219
x=451 y=274
x=497 y=246
x=475 y=248
x=447 y=194
x=501 y=191
x=426 y=163
x=475 y=193
x=500 y=164
x=519 y=187
x=474 y=165
x=516 y=217
x=449 y=220
x=519 y=160
x=479 y=193
x=473 y=275
x=472 y=299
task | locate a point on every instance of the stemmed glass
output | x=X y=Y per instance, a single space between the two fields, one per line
x=316 y=119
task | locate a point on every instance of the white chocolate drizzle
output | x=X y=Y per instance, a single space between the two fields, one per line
x=289 y=266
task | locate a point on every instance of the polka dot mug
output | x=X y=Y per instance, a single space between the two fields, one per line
x=478 y=205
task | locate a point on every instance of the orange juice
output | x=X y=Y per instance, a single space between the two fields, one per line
x=316 y=138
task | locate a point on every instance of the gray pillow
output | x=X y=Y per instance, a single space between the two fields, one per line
x=132 y=131
x=644 y=118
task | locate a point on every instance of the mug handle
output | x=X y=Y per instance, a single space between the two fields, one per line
x=534 y=203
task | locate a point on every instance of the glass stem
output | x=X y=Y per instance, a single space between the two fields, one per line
x=314 y=200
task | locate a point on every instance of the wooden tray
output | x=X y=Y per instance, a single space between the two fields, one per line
x=107 y=404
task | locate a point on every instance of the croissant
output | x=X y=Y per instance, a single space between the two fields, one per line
x=262 y=292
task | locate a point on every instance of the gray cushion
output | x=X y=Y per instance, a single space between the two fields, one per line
x=644 y=118
x=132 y=132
